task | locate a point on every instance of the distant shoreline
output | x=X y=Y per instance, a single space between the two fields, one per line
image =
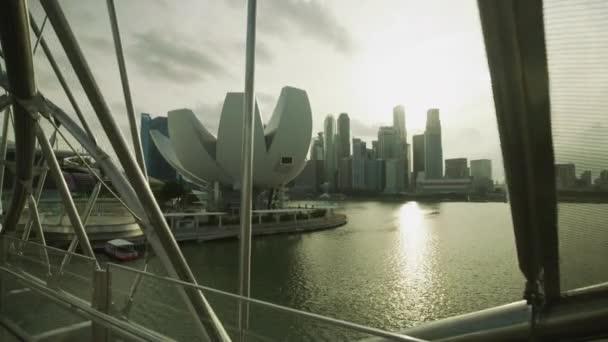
x=569 y=196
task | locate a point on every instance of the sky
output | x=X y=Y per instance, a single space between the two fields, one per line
x=361 y=59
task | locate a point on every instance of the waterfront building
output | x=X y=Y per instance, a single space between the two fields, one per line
x=156 y=165
x=306 y=181
x=360 y=155
x=375 y=154
x=400 y=125
x=345 y=176
x=585 y=181
x=389 y=143
x=359 y=149
x=418 y=156
x=481 y=168
x=565 y=176
x=316 y=149
x=399 y=122
x=443 y=186
x=279 y=148
x=329 y=143
x=456 y=168
x=374 y=175
x=601 y=183
x=394 y=170
x=481 y=173
x=343 y=136
x=433 y=151
x=358 y=174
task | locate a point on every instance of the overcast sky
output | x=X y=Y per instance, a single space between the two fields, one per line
x=359 y=57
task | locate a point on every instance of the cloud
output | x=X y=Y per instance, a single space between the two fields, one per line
x=359 y=129
x=209 y=115
x=165 y=56
x=307 y=17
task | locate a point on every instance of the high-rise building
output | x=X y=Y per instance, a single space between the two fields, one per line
x=586 y=179
x=360 y=155
x=345 y=174
x=144 y=135
x=481 y=172
x=156 y=165
x=565 y=175
x=399 y=122
x=374 y=149
x=433 y=151
x=456 y=168
x=481 y=168
x=374 y=175
x=358 y=174
x=403 y=153
x=329 y=144
x=306 y=180
x=389 y=143
x=418 y=155
x=394 y=170
x=343 y=137
x=359 y=149
x=316 y=149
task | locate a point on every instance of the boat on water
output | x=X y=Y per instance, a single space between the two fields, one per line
x=121 y=250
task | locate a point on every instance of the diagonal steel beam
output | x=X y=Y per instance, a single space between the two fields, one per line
x=16 y=45
x=60 y=78
x=124 y=78
x=160 y=237
x=66 y=196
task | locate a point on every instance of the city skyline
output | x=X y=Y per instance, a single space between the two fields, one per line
x=360 y=59
x=348 y=59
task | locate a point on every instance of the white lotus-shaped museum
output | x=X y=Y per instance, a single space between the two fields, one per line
x=280 y=147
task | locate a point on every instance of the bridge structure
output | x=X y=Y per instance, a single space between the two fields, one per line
x=50 y=294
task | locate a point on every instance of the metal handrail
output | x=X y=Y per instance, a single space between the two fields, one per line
x=129 y=330
x=337 y=322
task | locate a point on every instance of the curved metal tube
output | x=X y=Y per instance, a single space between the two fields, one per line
x=16 y=45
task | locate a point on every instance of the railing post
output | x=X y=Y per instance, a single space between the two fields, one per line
x=3 y=148
x=101 y=302
x=247 y=170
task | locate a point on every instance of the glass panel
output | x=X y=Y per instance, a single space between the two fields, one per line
x=577 y=50
x=75 y=277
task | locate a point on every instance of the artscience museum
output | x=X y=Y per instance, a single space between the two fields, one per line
x=280 y=146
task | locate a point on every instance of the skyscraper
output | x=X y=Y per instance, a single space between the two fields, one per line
x=433 y=152
x=360 y=156
x=389 y=143
x=329 y=144
x=359 y=148
x=399 y=122
x=146 y=140
x=481 y=168
x=156 y=165
x=316 y=150
x=481 y=172
x=418 y=155
x=403 y=154
x=343 y=137
x=456 y=168
x=345 y=174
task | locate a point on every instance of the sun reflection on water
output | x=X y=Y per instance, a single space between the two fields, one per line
x=416 y=261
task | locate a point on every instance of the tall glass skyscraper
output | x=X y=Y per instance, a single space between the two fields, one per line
x=433 y=152
x=331 y=165
x=156 y=165
x=418 y=155
x=343 y=136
